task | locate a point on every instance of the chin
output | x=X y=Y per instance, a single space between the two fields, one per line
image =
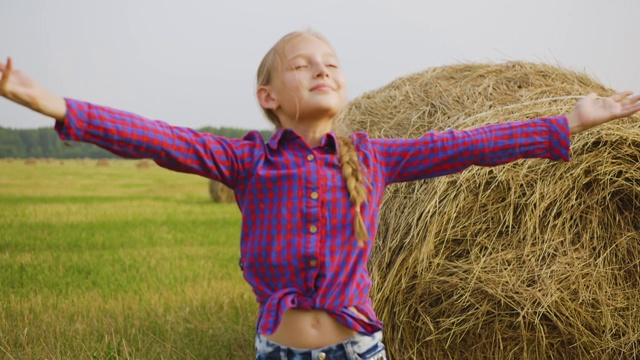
x=318 y=114
x=321 y=109
x=328 y=111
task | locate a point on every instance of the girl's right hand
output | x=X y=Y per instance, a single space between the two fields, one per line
x=20 y=88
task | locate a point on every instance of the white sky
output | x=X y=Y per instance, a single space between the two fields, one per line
x=192 y=62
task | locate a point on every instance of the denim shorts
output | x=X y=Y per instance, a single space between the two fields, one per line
x=357 y=347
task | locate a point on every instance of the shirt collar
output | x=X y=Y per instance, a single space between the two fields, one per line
x=329 y=140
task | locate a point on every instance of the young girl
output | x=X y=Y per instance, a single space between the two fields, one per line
x=309 y=198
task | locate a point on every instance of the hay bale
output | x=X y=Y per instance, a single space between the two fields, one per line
x=534 y=259
x=144 y=164
x=220 y=193
x=31 y=161
x=102 y=162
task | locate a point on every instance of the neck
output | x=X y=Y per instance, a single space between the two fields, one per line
x=311 y=131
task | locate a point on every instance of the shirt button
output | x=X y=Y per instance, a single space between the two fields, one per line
x=313 y=263
x=314 y=195
x=313 y=229
x=310 y=157
x=322 y=356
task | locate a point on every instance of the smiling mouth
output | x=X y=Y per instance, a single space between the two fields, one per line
x=321 y=87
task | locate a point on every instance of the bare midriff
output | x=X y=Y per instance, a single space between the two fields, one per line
x=310 y=329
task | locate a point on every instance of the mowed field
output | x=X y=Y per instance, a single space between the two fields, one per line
x=118 y=262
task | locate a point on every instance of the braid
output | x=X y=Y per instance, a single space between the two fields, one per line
x=352 y=174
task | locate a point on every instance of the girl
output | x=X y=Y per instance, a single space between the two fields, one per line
x=309 y=198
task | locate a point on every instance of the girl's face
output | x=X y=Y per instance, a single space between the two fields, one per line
x=308 y=82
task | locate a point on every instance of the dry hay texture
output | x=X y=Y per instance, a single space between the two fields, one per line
x=220 y=193
x=144 y=164
x=531 y=260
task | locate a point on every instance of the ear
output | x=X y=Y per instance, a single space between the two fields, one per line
x=266 y=98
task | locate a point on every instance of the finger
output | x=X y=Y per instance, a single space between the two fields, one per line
x=628 y=111
x=4 y=65
x=621 y=95
x=634 y=99
x=631 y=106
x=6 y=72
x=629 y=102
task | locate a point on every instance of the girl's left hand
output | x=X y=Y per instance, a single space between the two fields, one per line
x=592 y=110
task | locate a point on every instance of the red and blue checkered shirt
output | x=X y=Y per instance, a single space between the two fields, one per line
x=298 y=247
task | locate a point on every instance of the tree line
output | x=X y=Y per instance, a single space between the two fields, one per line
x=44 y=143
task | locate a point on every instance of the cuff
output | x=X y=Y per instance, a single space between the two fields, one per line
x=74 y=122
x=559 y=138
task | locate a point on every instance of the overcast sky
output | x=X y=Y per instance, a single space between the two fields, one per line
x=192 y=62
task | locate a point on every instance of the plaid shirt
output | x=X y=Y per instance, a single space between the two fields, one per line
x=298 y=248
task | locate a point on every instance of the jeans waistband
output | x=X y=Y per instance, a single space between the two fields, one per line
x=359 y=347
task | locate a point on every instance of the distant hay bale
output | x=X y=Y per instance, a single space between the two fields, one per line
x=220 y=193
x=102 y=162
x=530 y=260
x=31 y=161
x=144 y=164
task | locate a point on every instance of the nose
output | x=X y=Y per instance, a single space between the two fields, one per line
x=322 y=71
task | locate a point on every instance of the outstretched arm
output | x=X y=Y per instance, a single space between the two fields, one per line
x=20 y=88
x=592 y=110
x=132 y=136
x=450 y=151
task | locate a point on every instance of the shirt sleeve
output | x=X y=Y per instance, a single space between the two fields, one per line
x=176 y=148
x=451 y=151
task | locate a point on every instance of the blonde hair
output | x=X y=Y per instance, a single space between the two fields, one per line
x=347 y=153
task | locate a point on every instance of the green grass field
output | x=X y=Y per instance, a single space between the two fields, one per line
x=117 y=262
